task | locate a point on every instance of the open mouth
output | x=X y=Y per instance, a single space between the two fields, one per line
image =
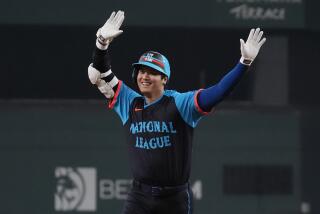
x=145 y=83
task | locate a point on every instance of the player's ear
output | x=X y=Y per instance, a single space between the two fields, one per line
x=164 y=80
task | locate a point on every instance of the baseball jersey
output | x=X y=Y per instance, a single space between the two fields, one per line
x=159 y=134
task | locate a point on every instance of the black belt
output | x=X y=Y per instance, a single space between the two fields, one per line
x=159 y=190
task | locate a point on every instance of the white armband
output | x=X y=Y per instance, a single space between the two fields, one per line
x=114 y=81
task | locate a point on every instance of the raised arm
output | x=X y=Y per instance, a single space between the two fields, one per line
x=99 y=71
x=211 y=96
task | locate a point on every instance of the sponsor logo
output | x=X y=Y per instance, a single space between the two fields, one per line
x=75 y=189
x=138 y=109
x=78 y=189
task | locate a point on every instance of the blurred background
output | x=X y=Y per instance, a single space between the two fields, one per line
x=62 y=150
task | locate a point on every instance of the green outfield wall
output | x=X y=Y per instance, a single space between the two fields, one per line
x=70 y=157
x=202 y=13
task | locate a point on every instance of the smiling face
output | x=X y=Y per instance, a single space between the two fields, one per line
x=151 y=82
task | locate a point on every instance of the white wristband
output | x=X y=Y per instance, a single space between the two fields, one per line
x=245 y=61
x=101 y=46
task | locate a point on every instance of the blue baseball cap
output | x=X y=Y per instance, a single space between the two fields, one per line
x=153 y=60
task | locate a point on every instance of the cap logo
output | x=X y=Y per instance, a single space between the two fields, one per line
x=148 y=57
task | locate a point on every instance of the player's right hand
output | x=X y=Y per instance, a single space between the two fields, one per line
x=111 y=29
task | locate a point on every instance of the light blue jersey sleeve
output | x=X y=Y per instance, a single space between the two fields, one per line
x=122 y=100
x=188 y=106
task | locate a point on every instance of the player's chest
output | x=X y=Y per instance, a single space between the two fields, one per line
x=154 y=128
x=164 y=110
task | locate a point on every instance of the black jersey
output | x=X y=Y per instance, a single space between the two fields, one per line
x=159 y=134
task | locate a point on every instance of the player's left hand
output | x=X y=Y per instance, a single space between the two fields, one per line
x=250 y=48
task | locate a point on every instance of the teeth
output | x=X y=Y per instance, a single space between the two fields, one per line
x=145 y=83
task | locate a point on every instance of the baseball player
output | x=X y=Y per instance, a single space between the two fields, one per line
x=159 y=123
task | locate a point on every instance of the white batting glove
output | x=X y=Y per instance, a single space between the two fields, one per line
x=250 y=48
x=110 y=30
